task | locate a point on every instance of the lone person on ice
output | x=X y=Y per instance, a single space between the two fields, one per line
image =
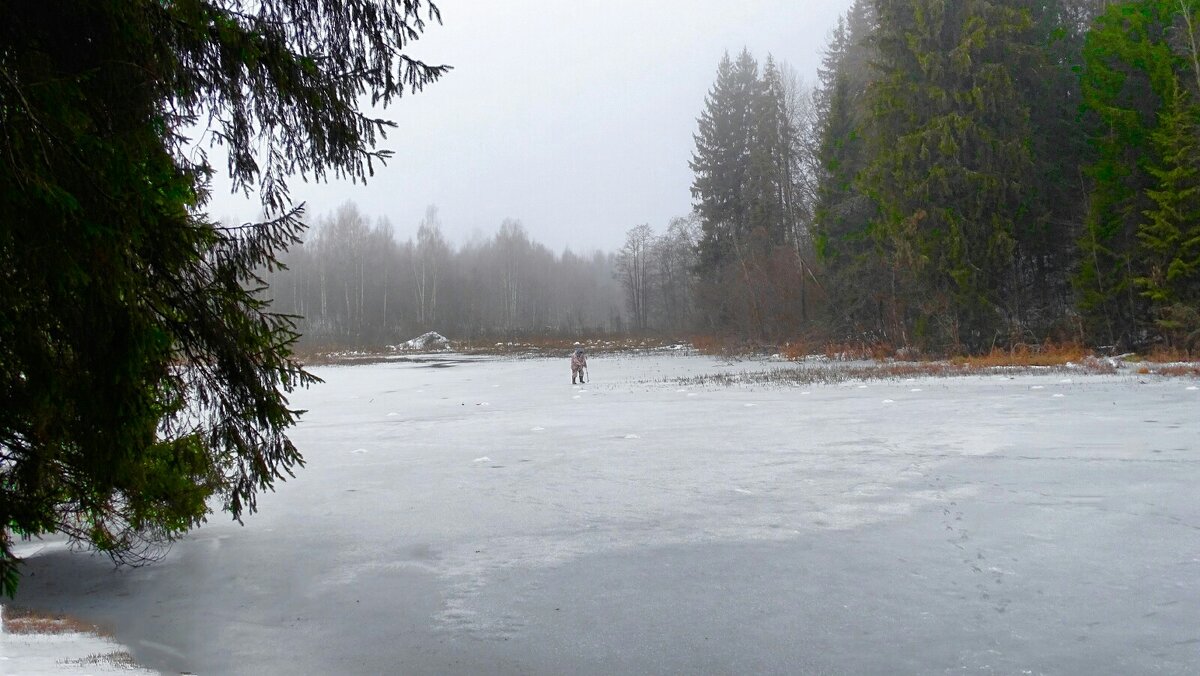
x=578 y=364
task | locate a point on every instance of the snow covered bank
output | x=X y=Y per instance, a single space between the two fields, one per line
x=37 y=645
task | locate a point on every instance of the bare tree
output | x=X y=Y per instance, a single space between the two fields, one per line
x=634 y=272
x=429 y=256
x=675 y=259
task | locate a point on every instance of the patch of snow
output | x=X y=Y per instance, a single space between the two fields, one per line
x=632 y=436
x=483 y=459
x=66 y=653
x=431 y=341
x=359 y=450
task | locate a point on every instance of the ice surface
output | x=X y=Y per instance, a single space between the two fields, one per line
x=630 y=529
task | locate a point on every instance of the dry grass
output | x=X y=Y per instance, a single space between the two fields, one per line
x=1191 y=370
x=25 y=621
x=117 y=658
x=1169 y=355
x=1049 y=354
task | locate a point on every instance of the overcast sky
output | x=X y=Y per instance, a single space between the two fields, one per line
x=573 y=116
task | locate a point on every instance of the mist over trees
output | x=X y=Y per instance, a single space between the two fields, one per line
x=356 y=282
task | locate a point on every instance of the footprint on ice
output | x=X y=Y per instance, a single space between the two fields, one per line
x=483 y=459
x=537 y=429
x=359 y=450
x=1038 y=387
x=632 y=436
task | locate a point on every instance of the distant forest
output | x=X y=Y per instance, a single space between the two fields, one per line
x=961 y=175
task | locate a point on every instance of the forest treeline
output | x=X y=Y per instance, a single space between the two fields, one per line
x=353 y=282
x=961 y=175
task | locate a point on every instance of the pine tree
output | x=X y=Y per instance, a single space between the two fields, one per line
x=1129 y=70
x=141 y=374
x=1169 y=236
x=855 y=272
x=719 y=164
x=769 y=158
x=949 y=140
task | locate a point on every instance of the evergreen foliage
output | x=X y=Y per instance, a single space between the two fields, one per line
x=1130 y=71
x=950 y=164
x=855 y=272
x=142 y=378
x=1169 y=235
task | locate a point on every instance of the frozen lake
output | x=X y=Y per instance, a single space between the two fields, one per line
x=486 y=516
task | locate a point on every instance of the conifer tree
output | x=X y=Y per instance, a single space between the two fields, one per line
x=855 y=272
x=949 y=140
x=1169 y=236
x=141 y=374
x=1130 y=69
